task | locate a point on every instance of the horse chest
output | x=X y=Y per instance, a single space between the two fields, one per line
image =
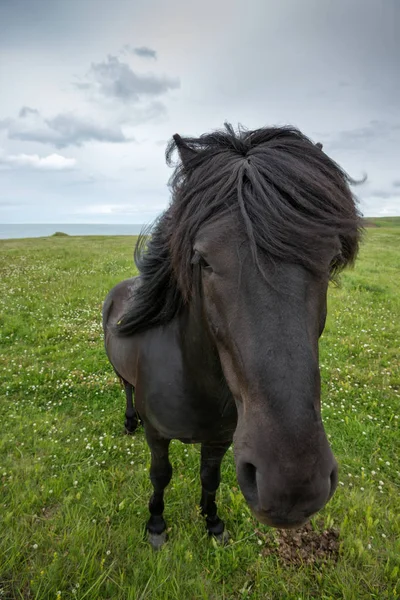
x=190 y=418
x=178 y=400
x=182 y=408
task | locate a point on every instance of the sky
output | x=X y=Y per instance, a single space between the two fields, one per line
x=92 y=90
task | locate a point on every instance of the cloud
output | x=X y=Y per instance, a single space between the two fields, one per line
x=52 y=162
x=359 y=137
x=114 y=209
x=8 y=204
x=142 y=51
x=115 y=79
x=396 y=183
x=383 y=194
x=65 y=129
x=26 y=111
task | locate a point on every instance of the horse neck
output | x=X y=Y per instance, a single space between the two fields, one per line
x=199 y=352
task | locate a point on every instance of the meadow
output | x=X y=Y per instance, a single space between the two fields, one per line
x=74 y=489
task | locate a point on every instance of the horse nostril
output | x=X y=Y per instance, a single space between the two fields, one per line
x=247 y=477
x=249 y=473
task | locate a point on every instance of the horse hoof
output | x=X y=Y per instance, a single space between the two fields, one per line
x=157 y=540
x=222 y=538
x=130 y=426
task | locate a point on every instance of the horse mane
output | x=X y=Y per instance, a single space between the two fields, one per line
x=291 y=197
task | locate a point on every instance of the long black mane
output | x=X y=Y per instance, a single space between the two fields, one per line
x=291 y=197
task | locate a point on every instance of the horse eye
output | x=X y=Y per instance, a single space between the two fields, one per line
x=204 y=264
x=198 y=259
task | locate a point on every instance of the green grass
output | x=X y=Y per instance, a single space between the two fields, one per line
x=382 y=221
x=74 y=489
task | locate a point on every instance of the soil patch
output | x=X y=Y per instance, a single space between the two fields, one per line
x=304 y=546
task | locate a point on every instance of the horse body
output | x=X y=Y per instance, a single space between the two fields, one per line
x=182 y=395
x=218 y=336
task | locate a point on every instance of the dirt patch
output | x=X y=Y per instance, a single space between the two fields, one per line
x=48 y=512
x=304 y=546
x=369 y=224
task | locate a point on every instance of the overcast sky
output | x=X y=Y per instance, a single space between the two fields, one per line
x=92 y=90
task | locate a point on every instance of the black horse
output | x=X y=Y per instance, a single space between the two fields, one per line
x=218 y=336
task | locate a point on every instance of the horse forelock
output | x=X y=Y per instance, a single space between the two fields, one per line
x=290 y=197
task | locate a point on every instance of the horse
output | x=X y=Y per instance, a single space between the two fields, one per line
x=217 y=338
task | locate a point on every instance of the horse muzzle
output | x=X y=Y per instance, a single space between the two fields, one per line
x=285 y=502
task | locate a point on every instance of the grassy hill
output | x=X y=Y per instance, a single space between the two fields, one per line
x=74 y=489
x=381 y=221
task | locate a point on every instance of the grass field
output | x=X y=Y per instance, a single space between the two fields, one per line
x=382 y=222
x=74 y=489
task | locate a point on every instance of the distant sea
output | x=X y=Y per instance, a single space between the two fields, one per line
x=46 y=229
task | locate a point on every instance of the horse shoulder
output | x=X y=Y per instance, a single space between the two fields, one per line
x=117 y=299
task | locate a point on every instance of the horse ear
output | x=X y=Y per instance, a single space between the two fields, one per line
x=185 y=152
x=319 y=145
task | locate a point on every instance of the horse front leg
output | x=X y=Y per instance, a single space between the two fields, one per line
x=160 y=476
x=210 y=474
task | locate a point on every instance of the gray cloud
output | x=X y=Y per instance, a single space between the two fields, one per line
x=26 y=111
x=345 y=95
x=360 y=136
x=142 y=51
x=8 y=204
x=65 y=129
x=89 y=180
x=115 y=79
x=383 y=194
